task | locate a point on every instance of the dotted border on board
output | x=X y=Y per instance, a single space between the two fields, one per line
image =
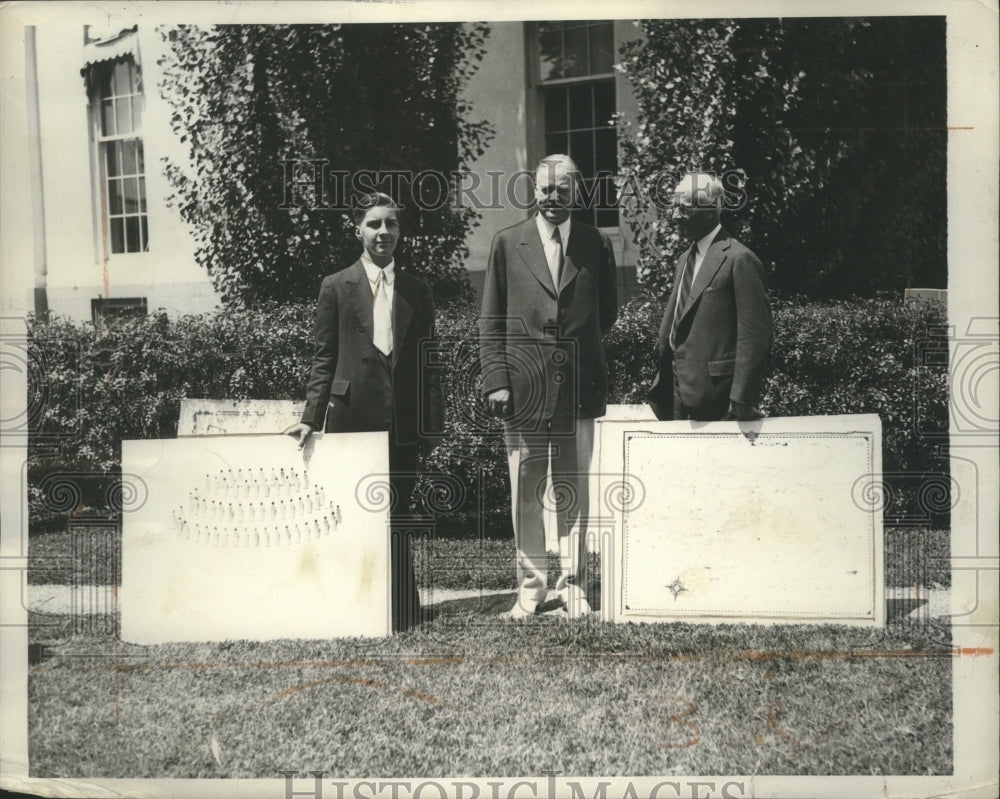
x=868 y=438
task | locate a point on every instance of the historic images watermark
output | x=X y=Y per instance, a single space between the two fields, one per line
x=311 y=184
x=550 y=787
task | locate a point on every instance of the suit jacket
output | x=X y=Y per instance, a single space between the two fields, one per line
x=348 y=384
x=723 y=336
x=536 y=339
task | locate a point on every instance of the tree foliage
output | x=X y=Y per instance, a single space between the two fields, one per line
x=833 y=131
x=247 y=98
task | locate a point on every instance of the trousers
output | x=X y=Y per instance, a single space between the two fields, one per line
x=530 y=456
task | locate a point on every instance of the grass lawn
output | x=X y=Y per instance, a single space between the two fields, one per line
x=475 y=695
x=472 y=694
x=913 y=556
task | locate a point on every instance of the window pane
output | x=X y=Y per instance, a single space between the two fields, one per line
x=103 y=81
x=145 y=233
x=550 y=61
x=131 y=196
x=581 y=110
x=587 y=197
x=136 y=112
x=142 y=195
x=556 y=143
x=607 y=214
x=117 y=235
x=138 y=150
x=604 y=101
x=607 y=217
x=123 y=116
x=555 y=109
x=122 y=83
x=108 y=118
x=129 y=165
x=606 y=145
x=115 y=196
x=601 y=48
x=584 y=215
x=581 y=150
x=575 y=42
x=111 y=159
x=132 y=233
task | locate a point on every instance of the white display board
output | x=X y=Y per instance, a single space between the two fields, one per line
x=778 y=520
x=248 y=537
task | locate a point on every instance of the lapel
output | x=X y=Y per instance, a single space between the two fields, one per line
x=714 y=258
x=402 y=312
x=668 y=319
x=359 y=292
x=531 y=252
x=571 y=255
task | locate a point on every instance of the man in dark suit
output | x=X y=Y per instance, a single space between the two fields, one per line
x=549 y=296
x=368 y=373
x=717 y=328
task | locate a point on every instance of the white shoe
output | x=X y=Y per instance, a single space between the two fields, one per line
x=522 y=609
x=575 y=598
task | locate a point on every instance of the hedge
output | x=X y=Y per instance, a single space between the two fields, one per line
x=91 y=389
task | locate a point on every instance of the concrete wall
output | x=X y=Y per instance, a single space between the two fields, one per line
x=497 y=93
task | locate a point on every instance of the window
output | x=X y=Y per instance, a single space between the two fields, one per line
x=107 y=312
x=116 y=104
x=577 y=85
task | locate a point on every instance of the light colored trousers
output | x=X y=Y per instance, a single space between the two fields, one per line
x=528 y=458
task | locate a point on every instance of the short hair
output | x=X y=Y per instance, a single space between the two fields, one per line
x=363 y=203
x=703 y=184
x=559 y=161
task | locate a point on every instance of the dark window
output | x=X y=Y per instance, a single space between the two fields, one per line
x=107 y=312
x=577 y=84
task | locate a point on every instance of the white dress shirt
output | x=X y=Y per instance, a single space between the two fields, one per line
x=381 y=280
x=546 y=230
x=701 y=250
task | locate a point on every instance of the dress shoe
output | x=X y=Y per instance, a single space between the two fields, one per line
x=522 y=609
x=575 y=598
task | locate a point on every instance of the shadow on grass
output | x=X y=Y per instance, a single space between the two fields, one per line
x=898 y=609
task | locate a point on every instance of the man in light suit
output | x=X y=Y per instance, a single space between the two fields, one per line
x=549 y=296
x=368 y=374
x=717 y=329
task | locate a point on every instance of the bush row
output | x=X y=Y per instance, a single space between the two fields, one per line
x=89 y=390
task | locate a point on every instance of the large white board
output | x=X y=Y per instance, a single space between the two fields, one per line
x=778 y=520
x=248 y=537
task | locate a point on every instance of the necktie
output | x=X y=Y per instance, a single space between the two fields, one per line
x=682 y=292
x=557 y=238
x=382 y=315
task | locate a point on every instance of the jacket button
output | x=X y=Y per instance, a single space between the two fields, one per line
x=364 y=361
x=361 y=330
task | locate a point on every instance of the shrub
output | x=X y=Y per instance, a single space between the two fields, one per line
x=90 y=390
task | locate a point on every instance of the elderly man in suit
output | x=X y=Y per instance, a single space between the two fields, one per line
x=368 y=374
x=549 y=296
x=717 y=329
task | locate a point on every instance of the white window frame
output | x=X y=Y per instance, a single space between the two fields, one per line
x=98 y=149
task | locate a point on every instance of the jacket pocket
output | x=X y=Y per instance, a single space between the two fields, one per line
x=340 y=389
x=722 y=368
